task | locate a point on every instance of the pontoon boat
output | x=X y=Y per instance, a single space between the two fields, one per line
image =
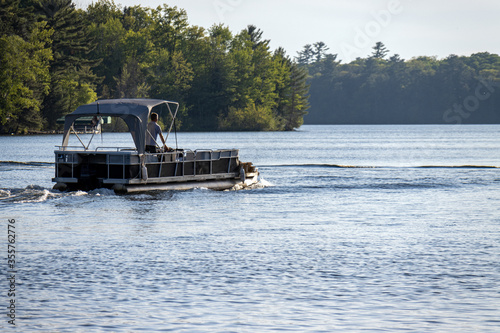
x=134 y=169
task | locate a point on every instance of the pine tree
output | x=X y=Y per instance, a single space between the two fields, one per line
x=379 y=51
x=70 y=47
x=306 y=55
x=319 y=51
x=292 y=92
x=214 y=82
x=298 y=100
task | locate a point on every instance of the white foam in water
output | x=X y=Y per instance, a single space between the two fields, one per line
x=264 y=183
x=46 y=194
x=35 y=187
x=79 y=193
x=102 y=191
x=35 y=195
x=4 y=193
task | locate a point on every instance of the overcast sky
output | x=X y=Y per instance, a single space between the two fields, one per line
x=351 y=28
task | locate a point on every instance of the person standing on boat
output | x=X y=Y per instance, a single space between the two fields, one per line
x=153 y=131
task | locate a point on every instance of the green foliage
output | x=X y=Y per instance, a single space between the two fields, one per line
x=54 y=57
x=170 y=76
x=169 y=26
x=421 y=90
x=292 y=92
x=296 y=102
x=72 y=57
x=250 y=118
x=69 y=68
x=24 y=79
x=129 y=83
x=379 y=51
x=214 y=82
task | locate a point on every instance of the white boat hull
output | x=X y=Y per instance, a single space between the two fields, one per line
x=218 y=185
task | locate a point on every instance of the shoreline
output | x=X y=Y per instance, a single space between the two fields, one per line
x=33 y=133
x=60 y=132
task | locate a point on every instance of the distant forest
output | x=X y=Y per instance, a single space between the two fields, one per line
x=55 y=57
x=380 y=89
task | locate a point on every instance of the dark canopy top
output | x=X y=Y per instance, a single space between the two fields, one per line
x=135 y=113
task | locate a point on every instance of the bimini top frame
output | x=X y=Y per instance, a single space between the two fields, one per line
x=135 y=113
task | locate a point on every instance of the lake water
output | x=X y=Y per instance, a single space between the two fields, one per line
x=355 y=228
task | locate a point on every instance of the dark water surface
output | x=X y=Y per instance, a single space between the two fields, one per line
x=355 y=228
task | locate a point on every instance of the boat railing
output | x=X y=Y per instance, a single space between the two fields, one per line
x=203 y=158
x=124 y=163
x=116 y=149
x=192 y=163
x=80 y=148
x=64 y=148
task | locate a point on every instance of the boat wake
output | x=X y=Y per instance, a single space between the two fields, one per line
x=31 y=193
x=298 y=165
x=342 y=166
x=31 y=163
x=262 y=183
x=317 y=165
x=35 y=194
x=459 y=167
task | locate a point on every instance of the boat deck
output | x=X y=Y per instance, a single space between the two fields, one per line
x=106 y=167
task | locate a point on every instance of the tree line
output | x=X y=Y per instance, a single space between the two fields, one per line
x=55 y=57
x=383 y=89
